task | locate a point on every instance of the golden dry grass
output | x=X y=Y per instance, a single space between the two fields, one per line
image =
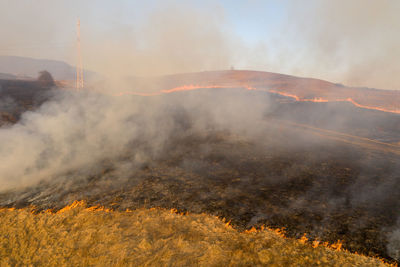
x=80 y=236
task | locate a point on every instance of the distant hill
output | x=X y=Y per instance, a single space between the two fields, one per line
x=298 y=88
x=6 y=76
x=30 y=67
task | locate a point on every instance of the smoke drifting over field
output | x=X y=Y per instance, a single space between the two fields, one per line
x=219 y=151
x=354 y=42
x=244 y=155
x=74 y=132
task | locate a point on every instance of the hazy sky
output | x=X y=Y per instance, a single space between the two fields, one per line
x=356 y=42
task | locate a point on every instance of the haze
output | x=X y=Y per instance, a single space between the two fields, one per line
x=355 y=42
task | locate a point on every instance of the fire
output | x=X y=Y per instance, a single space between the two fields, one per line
x=136 y=93
x=191 y=87
x=319 y=99
x=82 y=206
x=74 y=205
x=78 y=204
x=338 y=245
x=285 y=94
x=6 y=209
x=397 y=111
x=303 y=239
x=315 y=243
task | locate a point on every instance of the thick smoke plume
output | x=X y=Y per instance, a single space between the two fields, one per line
x=59 y=149
x=78 y=135
x=353 y=42
x=75 y=133
x=72 y=133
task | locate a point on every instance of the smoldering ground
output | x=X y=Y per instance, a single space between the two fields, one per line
x=221 y=151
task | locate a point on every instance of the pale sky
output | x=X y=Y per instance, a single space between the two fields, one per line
x=355 y=42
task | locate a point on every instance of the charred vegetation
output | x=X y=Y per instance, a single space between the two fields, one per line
x=18 y=96
x=282 y=176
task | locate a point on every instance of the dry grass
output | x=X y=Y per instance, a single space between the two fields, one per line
x=80 y=236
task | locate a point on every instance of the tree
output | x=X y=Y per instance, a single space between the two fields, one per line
x=45 y=78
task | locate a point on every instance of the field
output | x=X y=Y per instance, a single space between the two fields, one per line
x=80 y=236
x=325 y=171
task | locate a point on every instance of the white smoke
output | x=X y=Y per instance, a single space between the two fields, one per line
x=77 y=133
x=69 y=133
x=393 y=247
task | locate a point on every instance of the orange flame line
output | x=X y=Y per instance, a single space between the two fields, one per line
x=338 y=245
x=192 y=87
x=319 y=99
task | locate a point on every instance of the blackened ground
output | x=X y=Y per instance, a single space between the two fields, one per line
x=282 y=177
x=328 y=190
x=18 y=96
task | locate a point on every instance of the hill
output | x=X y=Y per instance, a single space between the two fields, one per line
x=297 y=88
x=30 y=67
x=255 y=157
x=7 y=76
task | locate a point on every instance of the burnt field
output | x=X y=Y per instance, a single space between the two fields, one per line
x=237 y=154
x=19 y=96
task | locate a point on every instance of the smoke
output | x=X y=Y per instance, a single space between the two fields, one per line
x=393 y=246
x=76 y=133
x=7 y=104
x=169 y=37
x=53 y=155
x=354 y=42
x=174 y=38
x=69 y=133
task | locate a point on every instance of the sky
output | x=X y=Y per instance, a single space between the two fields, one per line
x=354 y=42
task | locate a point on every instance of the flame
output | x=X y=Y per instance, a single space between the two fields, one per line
x=337 y=246
x=285 y=94
x=136 y=93
x=319 y=99
x=74 y=204
x=397 y=111
x=228 y=224
x=98 y=208
x=191 y=87
x=252 y=230
x=315 y=243
x=303 y=239
x=82 y=206
x=6 y=209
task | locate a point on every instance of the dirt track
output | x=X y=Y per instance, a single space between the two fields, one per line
x=363 y=142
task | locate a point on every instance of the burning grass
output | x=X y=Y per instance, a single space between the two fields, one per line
x=81 y=236
x=250 y=162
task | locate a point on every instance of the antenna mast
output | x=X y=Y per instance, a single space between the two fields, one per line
x=79 y=65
